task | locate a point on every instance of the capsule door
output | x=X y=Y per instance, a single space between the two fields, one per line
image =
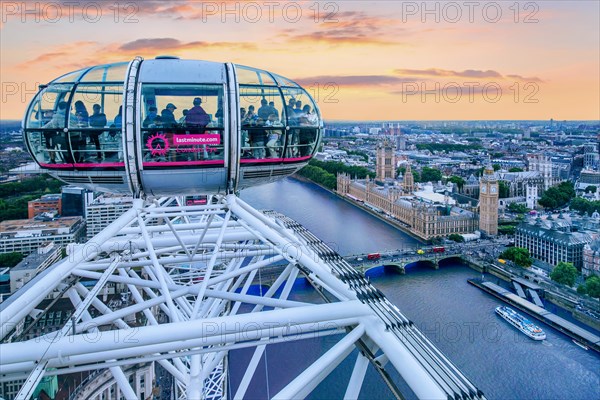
x=182 y=138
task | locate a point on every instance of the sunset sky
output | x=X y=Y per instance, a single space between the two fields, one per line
x=388 y=60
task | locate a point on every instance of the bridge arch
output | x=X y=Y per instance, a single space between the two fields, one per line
x=450 y=259
x=389 y=268
x=426 y=262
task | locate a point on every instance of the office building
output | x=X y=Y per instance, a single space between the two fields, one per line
x=104 y=210
x=75 y=200
x=48 y=203
x=27 y=235
x=554 y=239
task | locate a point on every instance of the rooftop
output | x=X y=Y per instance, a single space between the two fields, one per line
x=32 y=224
x=34 y=260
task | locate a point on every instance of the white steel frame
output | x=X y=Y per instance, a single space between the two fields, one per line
x=187 y=270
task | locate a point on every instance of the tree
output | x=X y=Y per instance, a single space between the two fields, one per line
x=506 y=229
x=430 y=175
x=497 y=167
x=515 y=169
x=582 y=205
x=564 y=273
x=458 y=181
x=319 y=175
x=518 y=255
x=456 y=237
x=503 y=190
x=9 y=260
x=557 y=196
x=518 y=208
x=591 y=189
x=592 y=286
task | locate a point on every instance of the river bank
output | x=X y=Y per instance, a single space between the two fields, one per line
x=363 y=208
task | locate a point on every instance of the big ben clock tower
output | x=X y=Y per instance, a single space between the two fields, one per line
x=488 y=202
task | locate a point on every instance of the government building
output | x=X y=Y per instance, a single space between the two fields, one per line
x=559 y=238
x=421 y=210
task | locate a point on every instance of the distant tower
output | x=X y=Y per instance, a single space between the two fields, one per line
x=542 y=164
x=532 y=196
x=408 y=183
x=400 y=141
x=343 y=183
x=386 y=161
x=546 y=170
x=488 y=202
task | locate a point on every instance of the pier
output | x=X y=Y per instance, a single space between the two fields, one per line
x=579 y=334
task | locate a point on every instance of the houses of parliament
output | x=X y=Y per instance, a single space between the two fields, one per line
x=425 y=213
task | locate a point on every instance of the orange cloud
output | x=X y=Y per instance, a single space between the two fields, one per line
x=58 y=55
x=352 y=80
x=350 y=27
x=171 y=44
x=81 y=54
x=468 y=73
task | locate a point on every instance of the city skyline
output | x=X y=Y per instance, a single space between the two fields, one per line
x=388 y=61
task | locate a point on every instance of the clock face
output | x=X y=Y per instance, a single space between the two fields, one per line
x=493 y=189
x=483 y=189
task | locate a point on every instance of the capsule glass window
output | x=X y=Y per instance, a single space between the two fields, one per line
x=44 y=126
x=253 y=76
x=95 y=126
x=262 y=123
x=303 y=123
x=182 y=124
x=106 y=73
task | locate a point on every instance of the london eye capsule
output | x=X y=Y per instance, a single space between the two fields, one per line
x=167 y=126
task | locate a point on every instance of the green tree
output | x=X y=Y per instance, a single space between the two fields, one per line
x=506 y=229
x=592 y=286
x=518 y=208
x=557 y=196
x=564 y=273
x=503 y=190
x=497 y=167
x=518 y=255
x=456 y=237
x=591 y=189
x=417 y=176
x=458 y=181
x=584 y=206
x=9 y=260
x=430 y=175
x=515 y=169
x=320 y=176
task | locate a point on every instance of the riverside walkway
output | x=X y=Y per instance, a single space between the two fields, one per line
x=568 y=328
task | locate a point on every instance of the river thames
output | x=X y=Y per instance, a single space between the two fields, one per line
x=456 y=317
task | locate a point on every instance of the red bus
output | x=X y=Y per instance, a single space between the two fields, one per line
x=373 y=256
x=439 y=249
